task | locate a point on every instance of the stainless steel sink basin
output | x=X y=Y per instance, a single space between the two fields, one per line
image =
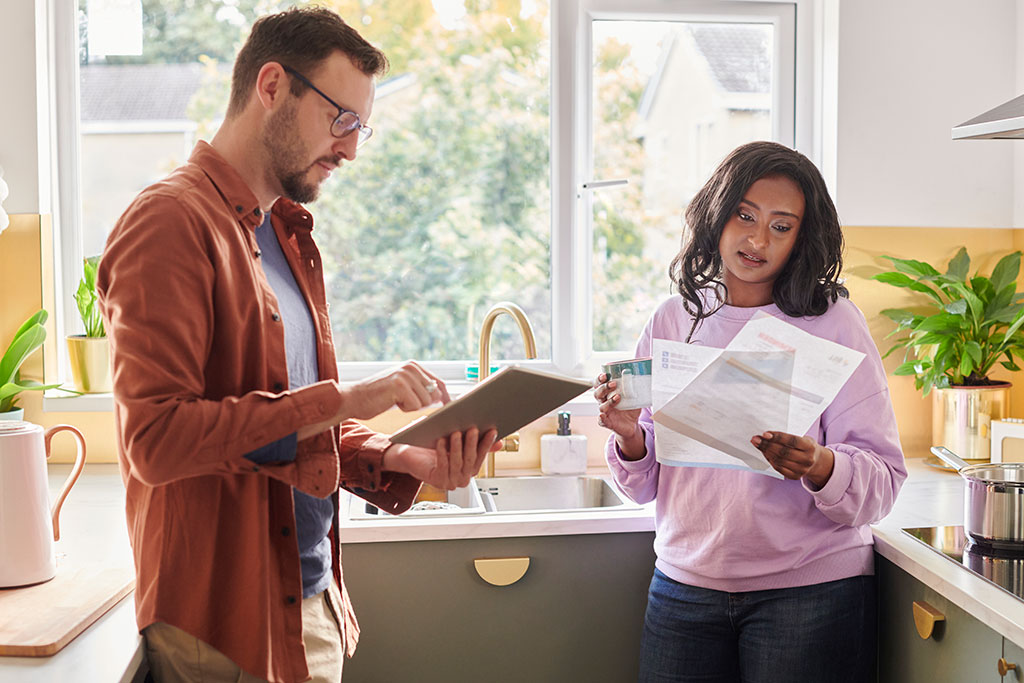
x=507 y=495
x=550 y=493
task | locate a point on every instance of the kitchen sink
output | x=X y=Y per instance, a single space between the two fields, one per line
x=549 y=494
x=506 y=495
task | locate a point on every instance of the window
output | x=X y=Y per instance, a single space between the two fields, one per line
x=670 y=96
x=536 y=151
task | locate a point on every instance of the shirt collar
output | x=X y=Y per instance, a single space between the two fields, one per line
x=240 y=198
x=232 y=188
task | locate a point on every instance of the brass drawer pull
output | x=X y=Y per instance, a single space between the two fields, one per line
x=925 y=618
x=501 y=571
x=1005 y=667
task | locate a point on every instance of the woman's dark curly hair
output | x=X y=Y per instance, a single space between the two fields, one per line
x=810 y=279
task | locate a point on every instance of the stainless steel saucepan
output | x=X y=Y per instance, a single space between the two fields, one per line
x=993 y=499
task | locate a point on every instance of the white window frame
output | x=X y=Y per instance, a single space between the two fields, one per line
x=804 y=99
x=783 y=17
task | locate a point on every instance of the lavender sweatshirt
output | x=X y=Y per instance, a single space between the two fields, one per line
x=733 y=530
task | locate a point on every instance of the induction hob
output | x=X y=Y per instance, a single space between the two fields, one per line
x=1002 y=568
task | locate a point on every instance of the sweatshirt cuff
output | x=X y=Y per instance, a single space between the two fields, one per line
x=834 y=489
x=643 y=464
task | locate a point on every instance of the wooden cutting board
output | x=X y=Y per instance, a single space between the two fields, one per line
x=39 y=620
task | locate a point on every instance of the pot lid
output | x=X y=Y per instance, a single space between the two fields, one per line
x=12 y=427
x=1009 y=473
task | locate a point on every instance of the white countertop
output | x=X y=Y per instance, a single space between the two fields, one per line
x=630 y=518
x=92 y=523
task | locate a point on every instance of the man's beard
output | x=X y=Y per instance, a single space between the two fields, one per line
x=286 y=152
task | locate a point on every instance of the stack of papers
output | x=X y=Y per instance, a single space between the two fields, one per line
x=773 y=376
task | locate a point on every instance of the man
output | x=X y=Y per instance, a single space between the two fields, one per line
x=233 y=433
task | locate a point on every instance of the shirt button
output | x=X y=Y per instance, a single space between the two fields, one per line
x=369 y=468
x=239 y=208
x=290 y=600
x=256 y=212
x=275 y=317
x=285 y=531
x=278 y=386
x=255 y=469
x=258 y=253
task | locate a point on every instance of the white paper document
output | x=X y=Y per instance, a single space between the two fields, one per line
x=773 y=376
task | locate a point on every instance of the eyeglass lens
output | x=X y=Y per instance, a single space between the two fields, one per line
x=348 y=122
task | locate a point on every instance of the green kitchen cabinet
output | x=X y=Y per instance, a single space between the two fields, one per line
x=961 y=648
x=426 y=615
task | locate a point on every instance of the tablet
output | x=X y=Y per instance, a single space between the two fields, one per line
x=507 y=400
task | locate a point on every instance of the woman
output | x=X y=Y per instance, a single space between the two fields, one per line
x=759 y=578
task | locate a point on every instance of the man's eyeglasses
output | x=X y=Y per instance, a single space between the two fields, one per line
x=346 y=122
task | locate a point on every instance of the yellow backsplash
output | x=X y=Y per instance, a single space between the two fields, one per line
x=26 y=280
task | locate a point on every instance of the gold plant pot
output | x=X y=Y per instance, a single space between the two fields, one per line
x=90 y=363
x=962 y=418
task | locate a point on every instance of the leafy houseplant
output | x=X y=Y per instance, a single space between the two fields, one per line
x=89 y=353
x=85 y=297
x=28 y=338
x=972 y=322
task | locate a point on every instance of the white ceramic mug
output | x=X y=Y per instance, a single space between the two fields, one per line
x=28 y=525
x=633 y=382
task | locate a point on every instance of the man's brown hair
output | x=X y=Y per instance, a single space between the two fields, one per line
x=301 y=38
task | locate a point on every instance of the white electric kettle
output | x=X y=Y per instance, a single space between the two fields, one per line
x=28 y=525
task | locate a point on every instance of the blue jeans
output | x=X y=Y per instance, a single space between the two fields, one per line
x=820 y=633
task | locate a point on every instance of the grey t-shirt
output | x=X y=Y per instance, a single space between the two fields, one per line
x=313 y=516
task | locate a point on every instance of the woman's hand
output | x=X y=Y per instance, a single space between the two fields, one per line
x=796 y=456
x=451 y=464
x=624 y=423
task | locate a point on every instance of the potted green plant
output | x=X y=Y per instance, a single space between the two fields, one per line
x=29 y=337
x=89 y=352
x=966 y=325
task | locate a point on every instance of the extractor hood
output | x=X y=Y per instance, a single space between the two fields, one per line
x=1004 y=122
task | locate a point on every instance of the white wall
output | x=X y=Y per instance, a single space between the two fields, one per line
x=909 y=70
x=24 y=150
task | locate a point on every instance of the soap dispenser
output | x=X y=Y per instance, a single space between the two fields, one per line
x=563 y=452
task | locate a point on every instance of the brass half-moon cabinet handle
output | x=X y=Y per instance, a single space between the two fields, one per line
x=501 y=571
x=925 y=618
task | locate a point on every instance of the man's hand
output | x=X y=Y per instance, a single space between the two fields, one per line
x=796 y=456
x=451 y=464
x=408 y=386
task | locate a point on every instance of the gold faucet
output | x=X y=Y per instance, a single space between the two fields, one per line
x=484 y=368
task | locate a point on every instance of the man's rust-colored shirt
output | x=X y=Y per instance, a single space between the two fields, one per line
x=199 y=369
